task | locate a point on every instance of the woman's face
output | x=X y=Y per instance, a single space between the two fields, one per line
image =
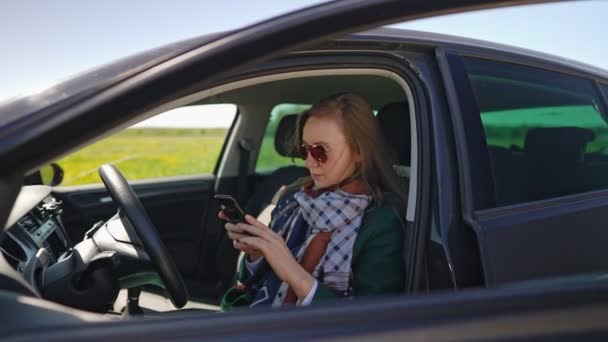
x=341 y=159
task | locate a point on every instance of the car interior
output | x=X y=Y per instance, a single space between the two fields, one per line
x=56 y=219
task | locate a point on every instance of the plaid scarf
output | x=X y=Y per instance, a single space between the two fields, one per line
x=336 y=211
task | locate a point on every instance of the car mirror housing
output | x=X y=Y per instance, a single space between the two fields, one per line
x=51 y=175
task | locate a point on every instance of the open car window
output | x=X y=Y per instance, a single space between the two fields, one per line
x=184 y=141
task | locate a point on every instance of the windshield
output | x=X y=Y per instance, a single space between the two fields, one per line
x=96 y=79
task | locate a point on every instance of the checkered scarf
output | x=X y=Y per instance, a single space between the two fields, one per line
x=336 y=211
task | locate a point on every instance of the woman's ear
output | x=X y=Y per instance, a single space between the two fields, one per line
x=358 y=157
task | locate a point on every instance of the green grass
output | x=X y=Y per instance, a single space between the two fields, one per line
x=146 y=153
x=509 y=127
x=142 y=153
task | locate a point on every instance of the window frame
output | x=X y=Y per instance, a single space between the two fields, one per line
x=602 y=89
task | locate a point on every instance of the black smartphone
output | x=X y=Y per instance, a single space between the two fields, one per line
x=231 y=208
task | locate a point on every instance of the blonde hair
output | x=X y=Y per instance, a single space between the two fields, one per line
x=364 y=137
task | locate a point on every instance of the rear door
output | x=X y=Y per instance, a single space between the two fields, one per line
x=533 y=155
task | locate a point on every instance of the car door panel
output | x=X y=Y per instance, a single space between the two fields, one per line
x=175 y=206
x=509 y=313
x=554 y=238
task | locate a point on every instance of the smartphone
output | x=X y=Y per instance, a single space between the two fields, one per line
x=231 y=208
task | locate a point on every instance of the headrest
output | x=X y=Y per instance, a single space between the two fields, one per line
x=557 y=143
x=394 y=120
x=283 y=138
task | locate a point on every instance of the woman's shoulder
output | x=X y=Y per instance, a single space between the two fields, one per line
x=381 y=217
x=390 y=207
x=383 y=227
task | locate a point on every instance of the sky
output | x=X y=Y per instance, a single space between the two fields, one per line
x=44 y=42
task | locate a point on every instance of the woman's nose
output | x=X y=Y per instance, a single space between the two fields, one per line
x=310 y=161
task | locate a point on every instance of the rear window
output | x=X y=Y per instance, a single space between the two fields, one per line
x=546 y=132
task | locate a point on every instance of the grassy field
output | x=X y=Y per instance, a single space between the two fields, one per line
x=151 y=153
x=146 y=153
x=509 y=127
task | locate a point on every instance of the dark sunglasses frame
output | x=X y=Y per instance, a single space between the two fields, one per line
x=318 y=152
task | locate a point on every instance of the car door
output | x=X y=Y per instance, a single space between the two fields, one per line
x=201 y=67
x=170 y=161
x=532 y=139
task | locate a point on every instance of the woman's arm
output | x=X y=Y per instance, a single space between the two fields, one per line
x=255 y=236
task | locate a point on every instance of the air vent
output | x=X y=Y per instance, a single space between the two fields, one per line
x=12 y=251
x=54 y=244
x=28 y=223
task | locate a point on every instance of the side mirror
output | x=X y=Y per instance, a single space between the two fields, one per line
x=50 y=175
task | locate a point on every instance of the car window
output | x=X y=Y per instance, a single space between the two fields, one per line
x=546 y=132
x=183 y=141
x=269 y=158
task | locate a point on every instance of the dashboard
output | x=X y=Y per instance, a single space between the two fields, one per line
x=36 y=237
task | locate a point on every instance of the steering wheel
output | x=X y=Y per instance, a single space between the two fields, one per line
x=127 y=201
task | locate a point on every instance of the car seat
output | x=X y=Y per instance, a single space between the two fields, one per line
x=283 y=144
x=394 y=120
x=553 y=157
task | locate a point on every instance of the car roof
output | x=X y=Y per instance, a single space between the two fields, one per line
x=450 y=41
x=99 y=78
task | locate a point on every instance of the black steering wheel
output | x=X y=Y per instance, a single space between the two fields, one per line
x=127 y=201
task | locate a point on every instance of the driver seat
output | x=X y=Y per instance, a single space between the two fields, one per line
x=395 y=124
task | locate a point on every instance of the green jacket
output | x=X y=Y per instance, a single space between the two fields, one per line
x=377 y=264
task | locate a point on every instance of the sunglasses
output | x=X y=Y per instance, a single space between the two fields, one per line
x=318 y=152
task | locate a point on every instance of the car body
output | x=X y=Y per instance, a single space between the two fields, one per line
x=489 y=213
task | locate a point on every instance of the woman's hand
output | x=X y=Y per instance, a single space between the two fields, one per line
x=234 y=234
x=255 y=235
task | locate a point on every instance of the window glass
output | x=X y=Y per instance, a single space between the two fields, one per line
x=546 y=132
x=269 y=158
x=183 y=141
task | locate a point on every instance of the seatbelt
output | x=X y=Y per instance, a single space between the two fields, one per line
x=245 y=147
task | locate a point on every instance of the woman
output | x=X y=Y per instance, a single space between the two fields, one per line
x=337 y=233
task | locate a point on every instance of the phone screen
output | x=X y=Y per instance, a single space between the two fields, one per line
x=231 y=208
